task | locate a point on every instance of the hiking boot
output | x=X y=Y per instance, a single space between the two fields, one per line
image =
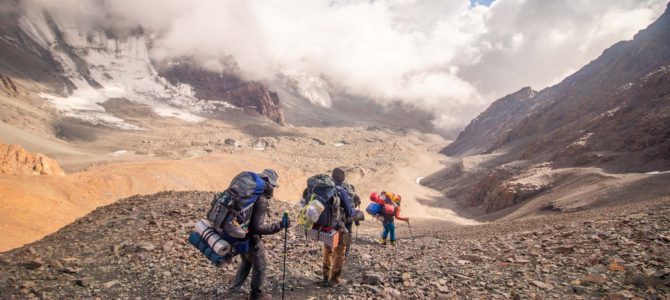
x=235 y=290
x=393 y=243
x=334 y=283
x=382 y=241
x=324 y=281
x=261 y=296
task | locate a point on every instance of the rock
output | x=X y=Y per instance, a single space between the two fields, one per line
x=563 y=249
x=110 y=284
x=83 y=282
x=145 y=247
x=27 y=284
x=167 y=246
x=406 y=276
x=33 y=264
x=231 y=142
x=541 y=284
x=614 y=266
x=115 y=249
x=620 y=295
x=578 y=289
x=69 y=270
x=372 y=288
x=472 y=258
x=593 y=278
x=371 y=279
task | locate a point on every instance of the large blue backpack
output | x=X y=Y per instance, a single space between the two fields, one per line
x=230 y=213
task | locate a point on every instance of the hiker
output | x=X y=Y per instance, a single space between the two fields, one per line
x=255 y=259
x=340 y=180
x=331 y=219
x=386 y=199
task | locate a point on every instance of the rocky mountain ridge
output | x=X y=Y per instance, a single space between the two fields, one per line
x=610 y=119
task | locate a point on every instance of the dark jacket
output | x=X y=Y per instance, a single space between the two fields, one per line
x=257 y=228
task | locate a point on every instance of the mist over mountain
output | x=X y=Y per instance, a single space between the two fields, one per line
x=447 y=57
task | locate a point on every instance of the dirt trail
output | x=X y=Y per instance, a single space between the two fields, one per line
x=418 y=201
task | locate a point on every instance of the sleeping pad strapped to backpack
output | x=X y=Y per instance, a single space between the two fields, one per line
x=229 y=217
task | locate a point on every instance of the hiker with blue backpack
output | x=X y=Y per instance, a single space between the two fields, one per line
x=234 y=226
x=256 y=259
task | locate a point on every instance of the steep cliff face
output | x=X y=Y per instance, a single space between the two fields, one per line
x=228 y=88
x=14 y=160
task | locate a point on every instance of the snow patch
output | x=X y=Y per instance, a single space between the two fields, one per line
x=657 y=172
x=311 y=87
x=121 y=66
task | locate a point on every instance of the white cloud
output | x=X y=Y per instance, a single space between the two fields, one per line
x=443 y=56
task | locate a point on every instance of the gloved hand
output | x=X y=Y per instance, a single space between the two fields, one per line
x=357 y=223
x=407 y=220
x=285 y=221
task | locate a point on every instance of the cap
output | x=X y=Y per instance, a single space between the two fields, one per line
x=271 y=176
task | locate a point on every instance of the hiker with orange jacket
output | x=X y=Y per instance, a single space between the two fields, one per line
x=385 y=199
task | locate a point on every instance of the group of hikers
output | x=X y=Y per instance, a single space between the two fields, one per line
x=329 y=209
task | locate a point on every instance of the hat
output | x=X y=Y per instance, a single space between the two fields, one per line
x=271 y=176
x=338 y=175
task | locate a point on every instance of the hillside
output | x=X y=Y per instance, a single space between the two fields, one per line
x=573 y=145
x=137 y=247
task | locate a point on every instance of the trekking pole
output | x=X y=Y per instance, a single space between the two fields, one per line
x=283 y=283
x=410 y=230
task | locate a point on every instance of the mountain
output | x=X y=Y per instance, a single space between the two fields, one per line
x=80 y=72
x=609 y=119
x=580 y=101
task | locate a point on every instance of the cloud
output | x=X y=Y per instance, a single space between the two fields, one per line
x=448 y=57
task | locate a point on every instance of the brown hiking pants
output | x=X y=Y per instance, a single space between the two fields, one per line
x=333 y=258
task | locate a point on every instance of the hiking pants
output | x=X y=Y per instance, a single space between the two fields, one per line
x=389 y=228
x=255 y=260
x=333 y=259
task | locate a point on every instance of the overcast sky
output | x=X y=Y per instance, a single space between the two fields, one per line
x=451 y=57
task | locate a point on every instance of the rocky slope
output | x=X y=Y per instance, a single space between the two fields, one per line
x=612 y=116
x=627 y=72
x=14 y=160
x=137 y=247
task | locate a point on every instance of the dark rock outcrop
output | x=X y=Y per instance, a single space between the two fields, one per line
x=210 y=85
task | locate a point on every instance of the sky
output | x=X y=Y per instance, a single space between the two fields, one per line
x=450 y=57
